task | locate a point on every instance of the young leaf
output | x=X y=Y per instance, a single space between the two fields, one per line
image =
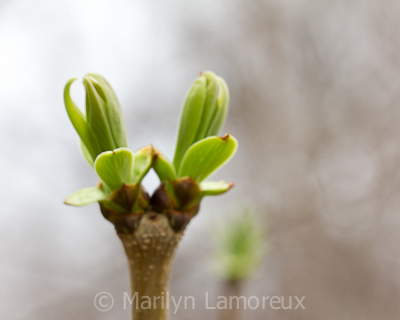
x=112 y=109
x=206 y=156
x=213 y=188
x=86 y=196
x=210 y=105
x=190 y=119
x=221 y=111
x=115 y=167
x=142 y=163
x=79 y=122
x=162 y=166
x=96 y=116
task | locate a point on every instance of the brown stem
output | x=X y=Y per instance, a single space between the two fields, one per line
x=231 y=288
x=150 y=249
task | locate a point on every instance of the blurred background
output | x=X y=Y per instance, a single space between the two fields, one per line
x=315 y=105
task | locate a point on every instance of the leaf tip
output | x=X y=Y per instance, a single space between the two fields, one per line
x=151 y=149
x=226 y=137
x=67 y=202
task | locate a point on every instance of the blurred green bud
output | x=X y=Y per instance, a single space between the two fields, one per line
x=103 y=126
x=203 y=113
x=240 y=247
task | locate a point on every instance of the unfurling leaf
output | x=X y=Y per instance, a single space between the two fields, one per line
x=115 y=167
x=210 y=105
x=142 y=163
x=190 y=119
x=221 y=111
x=213 y=188
x=86 y=196
x=112 y=109
x=79 y=122
x=162 y=166
x=203 y=113
x=103 y=127
x=96 y=116
x=206 y=156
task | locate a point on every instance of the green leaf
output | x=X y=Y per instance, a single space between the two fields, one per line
x=190 y=119
x=115 y=167
x=85 y=196
x=96 y=115
x=221 y=111
x=79 y=122
x=213 y=188
x=112 y=108
x=206 y=156
x=86 y=153
x=210 y=105
x=142 y=163
x=162 y=166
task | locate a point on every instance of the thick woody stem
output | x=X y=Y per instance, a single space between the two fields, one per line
x=150 y=249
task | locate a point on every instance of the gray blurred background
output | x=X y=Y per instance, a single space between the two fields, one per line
x=315 y=105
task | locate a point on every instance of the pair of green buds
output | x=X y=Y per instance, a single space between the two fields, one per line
x=199 y=151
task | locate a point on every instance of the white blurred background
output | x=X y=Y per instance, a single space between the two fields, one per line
x=315 y=105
